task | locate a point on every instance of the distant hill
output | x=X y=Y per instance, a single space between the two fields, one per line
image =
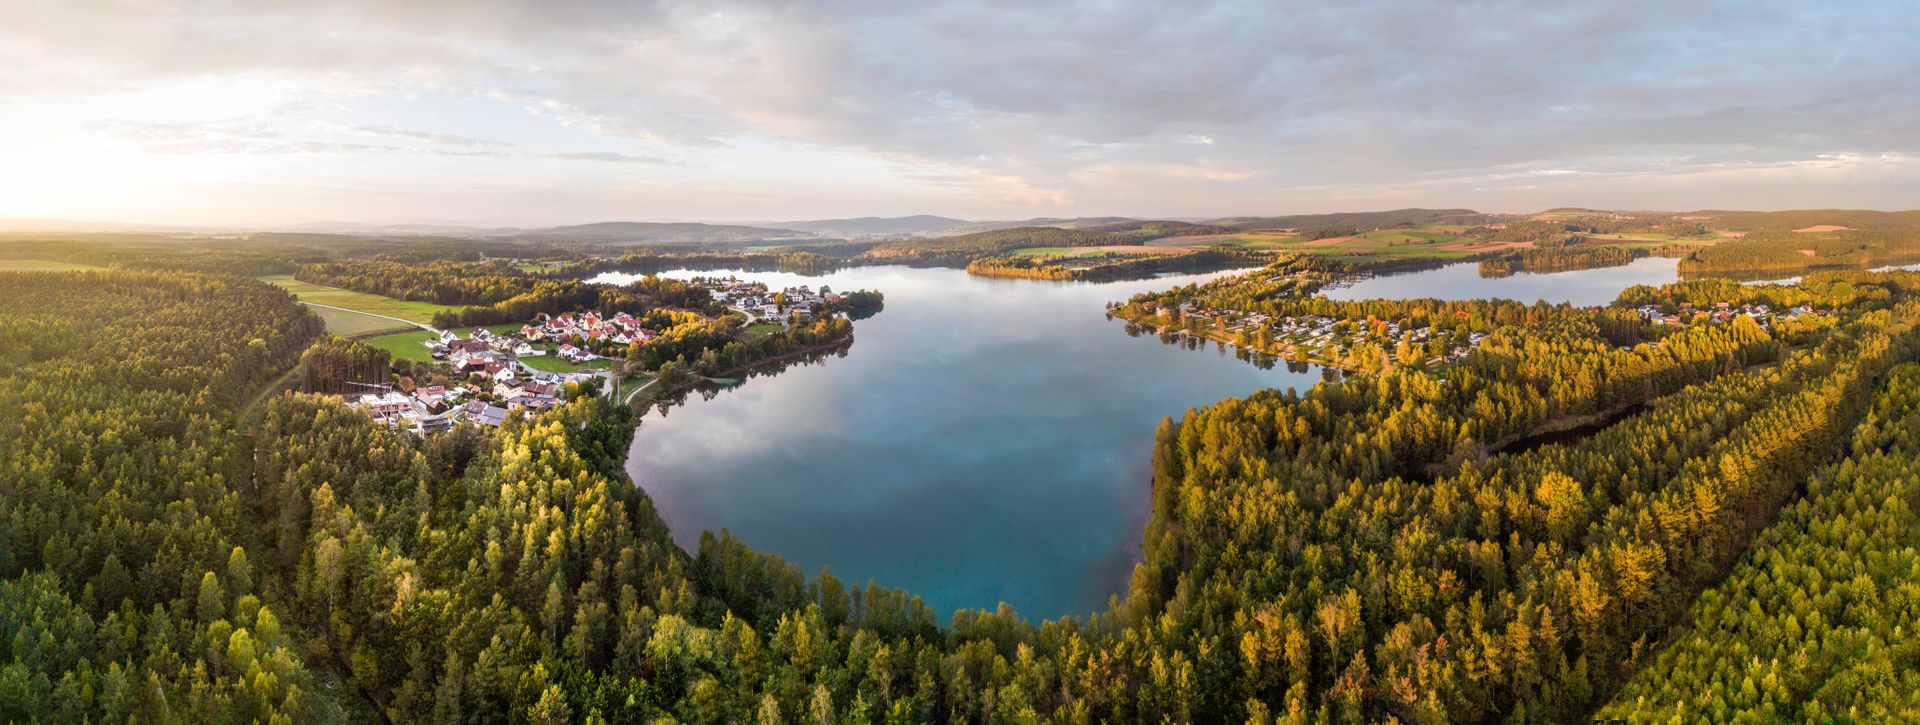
x=1782 y=221
x=998 y=241
x=1157 y=228
x=435 y=230
x=872 y=226
x=658 y=233
x=1357 y=220
x=1084 y=222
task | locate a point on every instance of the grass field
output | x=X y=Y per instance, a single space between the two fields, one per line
x=421 y=312
x=40 y=265
x=404 y=345
x=553 y=364
x=347 y=324
x=761 y=329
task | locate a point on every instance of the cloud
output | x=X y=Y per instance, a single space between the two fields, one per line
x=437 y=138
x=611 y=157
x=1245 y=105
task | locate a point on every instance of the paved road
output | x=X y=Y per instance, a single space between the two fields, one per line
x=421 y=325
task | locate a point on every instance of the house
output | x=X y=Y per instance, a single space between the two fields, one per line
x=433 y=398
x=466 y=346
x=431 y=424
x=492 y=415
x=384 y=406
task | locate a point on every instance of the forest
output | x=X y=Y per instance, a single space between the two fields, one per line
x=496 y=292
x=173 y=546
x=1790 y=252
x=1559 y=259
x=1113 y=265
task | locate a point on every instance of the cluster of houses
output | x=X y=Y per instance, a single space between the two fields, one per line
x=1687 y=313
x=756 y=300
x=586 y=327
x=436 y=408
x=484 y=354
x=1316 y=331
x=493 y=384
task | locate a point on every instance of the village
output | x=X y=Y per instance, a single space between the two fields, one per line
x=754 y=299
x=1721 y=312
x=491 y=380
x=1318 y=338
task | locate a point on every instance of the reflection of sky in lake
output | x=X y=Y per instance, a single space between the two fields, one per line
x=1463 y=282
x=982 y=440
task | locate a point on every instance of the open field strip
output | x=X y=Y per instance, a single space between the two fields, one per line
x=404 y=310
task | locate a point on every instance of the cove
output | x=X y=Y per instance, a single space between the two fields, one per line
x=982 y=440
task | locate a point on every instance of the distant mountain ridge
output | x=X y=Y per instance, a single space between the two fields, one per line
x=871 y=226
x=1356 y=219
x=1057 y=222
x=659 y=232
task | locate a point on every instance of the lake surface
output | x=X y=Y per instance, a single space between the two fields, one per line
x=983 y=440
x=1463 y=282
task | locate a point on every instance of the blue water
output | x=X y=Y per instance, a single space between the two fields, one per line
x=1463 y=282
x=983 y=440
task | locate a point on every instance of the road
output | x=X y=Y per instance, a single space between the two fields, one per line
x=636 y=391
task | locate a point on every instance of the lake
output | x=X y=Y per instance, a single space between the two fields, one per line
x=983 y=440
x=1584 y=287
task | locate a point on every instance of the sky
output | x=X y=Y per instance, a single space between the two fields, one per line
x=257 y=112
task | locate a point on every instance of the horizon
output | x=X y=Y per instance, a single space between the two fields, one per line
x=11 y=225
x=201 y=114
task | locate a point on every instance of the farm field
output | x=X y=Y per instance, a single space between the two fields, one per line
x=421 y=312
x=348 y=324
x=537 y=267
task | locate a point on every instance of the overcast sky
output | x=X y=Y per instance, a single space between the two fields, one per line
x=502 y=111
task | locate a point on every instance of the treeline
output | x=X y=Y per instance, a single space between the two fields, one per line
x=1157 y=228
x=442 y=283
x=132 y=586
x=1358 y=220
x=1786 y=252
x=144 y=252
x=959 y=250
x=805 y=262
x=1114 y=265
x=497 y=293
x=1815 y=623
x=1559 y=259
x=1786 y=221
